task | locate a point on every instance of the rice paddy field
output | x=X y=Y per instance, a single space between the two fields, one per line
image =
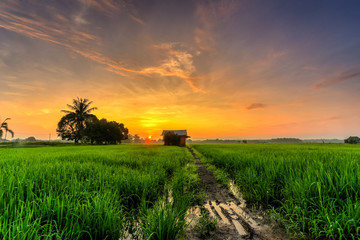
x=122 y=191
x=95 y=192
x=313 y=189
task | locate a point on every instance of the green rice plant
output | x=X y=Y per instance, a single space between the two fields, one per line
x=206 y=224
x=82 y=192
x=167 y=218
x=311 y=188
x=163 y=221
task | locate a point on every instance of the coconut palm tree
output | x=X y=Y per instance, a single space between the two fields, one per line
x=4 y=127
x=72 y=125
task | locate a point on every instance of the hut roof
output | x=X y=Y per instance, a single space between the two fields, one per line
x=178 y=132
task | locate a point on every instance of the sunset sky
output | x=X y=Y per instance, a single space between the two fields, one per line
x=227 y=69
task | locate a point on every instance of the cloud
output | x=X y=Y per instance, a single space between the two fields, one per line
x=46 y=30
x=107 y=6
x=79 y=19
x=267 y=60
x=112 y=8
x=33 y=86
x=136 y=19
x=209 y=16
x=255 y=106
x=179 y=63
x=344 y=76
x=204 y=39
x=14 y=94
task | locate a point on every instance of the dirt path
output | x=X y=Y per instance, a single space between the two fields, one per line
x=233 y=220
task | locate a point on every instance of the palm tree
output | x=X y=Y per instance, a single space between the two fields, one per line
x=72 y=125
x=4 y=125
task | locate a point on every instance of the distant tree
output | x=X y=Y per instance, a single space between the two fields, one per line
x=93 y=131
x=352 y=140
x=130 y=138
x=285 y=140
x=136 y=139
x=30 y=139
x=4 y=127
x=116 y=132
x=72 y=125
x=104 y=132
x=171 y=138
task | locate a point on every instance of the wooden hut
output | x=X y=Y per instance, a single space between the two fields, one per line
x=181 y=140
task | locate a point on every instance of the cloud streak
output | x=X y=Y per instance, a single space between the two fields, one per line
x=344 y=76
x=255 y=106
x=178 y=64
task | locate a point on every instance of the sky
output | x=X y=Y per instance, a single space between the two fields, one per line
x=220 y=69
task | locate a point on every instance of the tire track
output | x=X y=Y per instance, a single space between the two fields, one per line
x=233 y=221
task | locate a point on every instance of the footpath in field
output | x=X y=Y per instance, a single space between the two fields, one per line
x=233 y=222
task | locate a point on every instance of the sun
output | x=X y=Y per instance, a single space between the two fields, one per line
x=149 y=137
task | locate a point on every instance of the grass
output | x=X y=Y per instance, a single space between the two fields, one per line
x=312 y=188
x=206 y=224
x=163 y=221
x=88 y=192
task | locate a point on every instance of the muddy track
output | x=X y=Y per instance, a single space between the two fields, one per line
x=233 y=219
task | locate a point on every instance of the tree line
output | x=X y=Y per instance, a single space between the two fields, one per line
x=80 y=125
x=137 y=139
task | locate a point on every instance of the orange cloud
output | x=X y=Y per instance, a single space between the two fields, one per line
x=179 y=64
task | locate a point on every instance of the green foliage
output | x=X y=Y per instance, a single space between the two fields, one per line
x=311 y=188
x=206 y=224
x=167 y=219
x=72 y=125
x=104 y=132
x=30 y=139
x=352 y=140
x=163 y=221
x=85 y=192
x=80 y=125
x=4 y=127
